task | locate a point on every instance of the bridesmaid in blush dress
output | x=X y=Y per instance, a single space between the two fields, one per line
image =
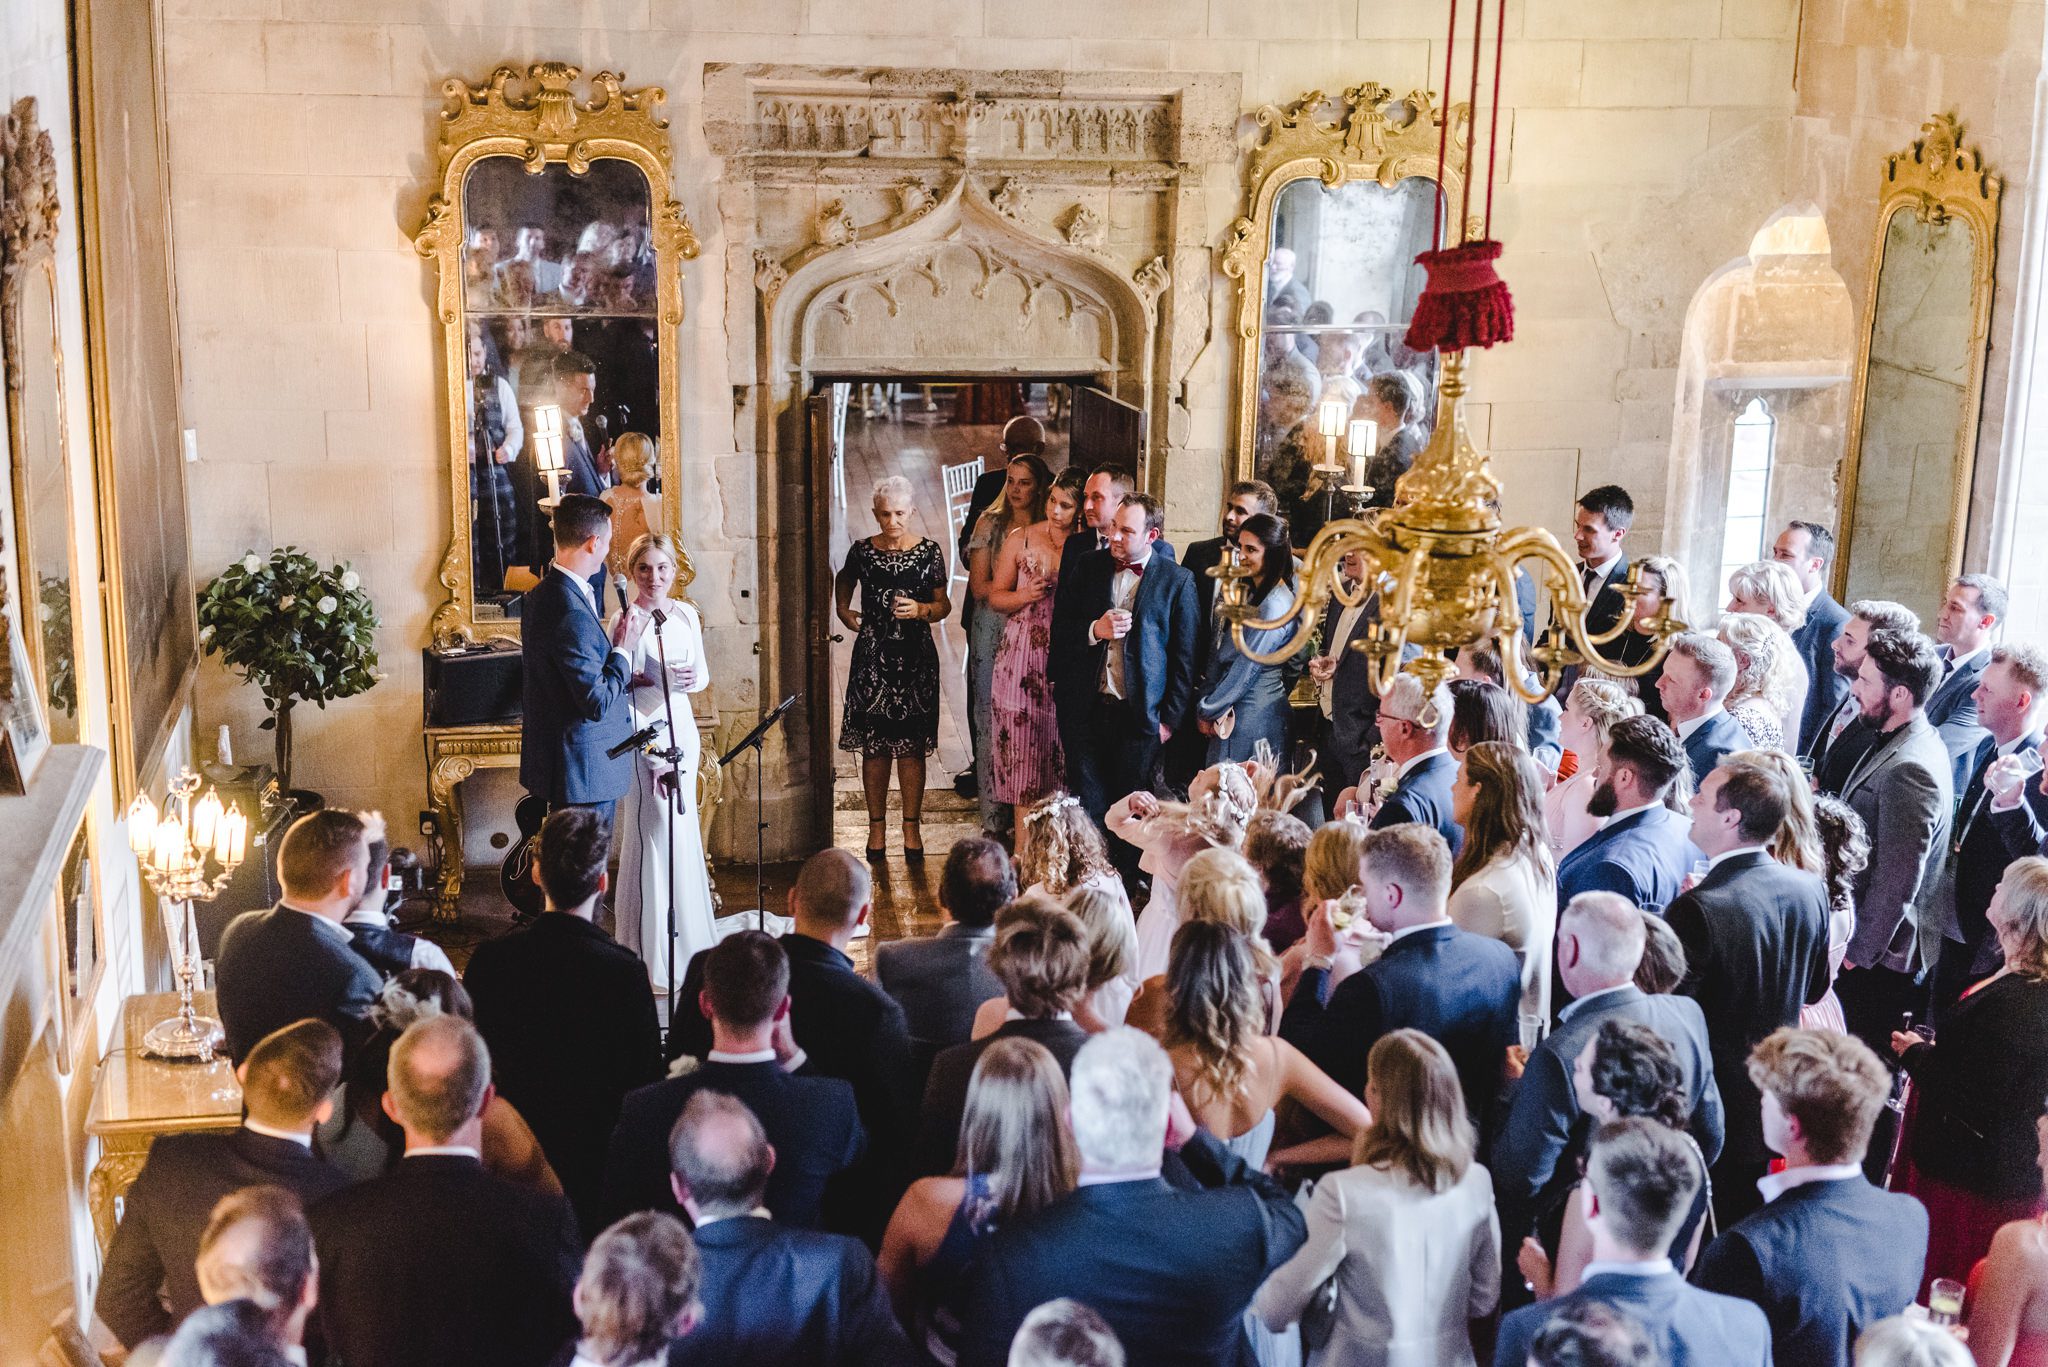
x=1024 y=742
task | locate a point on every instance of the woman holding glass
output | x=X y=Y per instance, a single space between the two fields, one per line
x=1244 y=702
x=1026 y=483
x=661 y=845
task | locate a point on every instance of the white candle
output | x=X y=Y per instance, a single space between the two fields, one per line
x=141 y=825
x=1333 y=414
x=205 y=818
x=1364 y=438
x=1358 y=472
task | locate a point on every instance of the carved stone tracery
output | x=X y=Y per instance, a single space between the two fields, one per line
x=832 y=122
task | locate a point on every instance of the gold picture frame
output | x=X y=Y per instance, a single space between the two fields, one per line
x=1372 y=135
x=538 y=118
x=1938 y=182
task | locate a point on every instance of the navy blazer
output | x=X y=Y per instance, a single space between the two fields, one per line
x=1718 y=735
x=579 y=465
x=1543 y=1118
x=1982 y=844
x=1825 y=689
x=1952 y=710
x=1159 y=652
x=1460 y=989
x=809 y=1119
x=779 y=1297
x=1756 y=951
x=1171 y=1270
x=1071 y=649
x=1825 y=1261
x=1606 y=607
x=1644 y=857
x=1424 y=797
x=573 y=705
x=279 y=966
x=1202 y=557
x=1687 y=1326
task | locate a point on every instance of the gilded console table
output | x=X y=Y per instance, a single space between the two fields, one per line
x=137 y=1098
x=456 y=752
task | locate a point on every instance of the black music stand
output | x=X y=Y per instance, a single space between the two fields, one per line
x=753 y=741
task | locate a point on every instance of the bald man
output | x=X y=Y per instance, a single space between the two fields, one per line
x=258 y=1247
x=845 y=1025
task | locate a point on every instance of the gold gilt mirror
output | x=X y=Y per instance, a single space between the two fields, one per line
x=45 y=563
x=560 y=252
x=1920 y=374
x=1343 y=195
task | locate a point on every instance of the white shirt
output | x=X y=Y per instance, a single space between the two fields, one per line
x=757 y=1213
x=796 y=1060
x=590 y=597
x=1686 y=728
x=445 y=1151
x=1600 y=571
x=425 y=953
x=1776 y=1184
x=1123 y=593
x=1656 y=1267
x=1013 y=1014
x=1347 y=622
x=1715 y=862
x=1806 y=597
x=304 y=1141
x=1406 y=765
x=1959 y=661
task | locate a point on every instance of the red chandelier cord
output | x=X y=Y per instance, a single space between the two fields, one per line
x=1443 y=130
x=1493 y=126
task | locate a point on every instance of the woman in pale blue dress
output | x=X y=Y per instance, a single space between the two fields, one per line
x=1240 y=696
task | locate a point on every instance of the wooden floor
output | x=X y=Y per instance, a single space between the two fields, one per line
x=918 y=442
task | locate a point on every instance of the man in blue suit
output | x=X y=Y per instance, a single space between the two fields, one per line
x=2001 y=815
x=1640 y=1180
x=1645 y=850
x=575 y=389
x=574 y=706
x=1696 y=677
x=1828 y=1255
x=1599 y=944
x=1806 y=548
x=1460 y=989
x=1137 y=617
x=1970 y=614
x=1424 y=768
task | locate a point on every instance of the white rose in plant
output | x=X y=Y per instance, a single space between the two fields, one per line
x=205 y=635
x=252 y=562
x=284 y=604
x=351 y=581
x=327 y=604
x=43 y=611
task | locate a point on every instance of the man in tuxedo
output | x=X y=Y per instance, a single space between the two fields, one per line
x=1970 y=616
x=1599 y=944
x=1041 y=957
x=1137 y=647
x=573 y=703
x=1247 y=499
x=1349 y=723
x=1599 y=526
x=1756 y=951
x=1806 y=549
x=1901 y=787
x=1827 y=1255
x=2001 y=815
x=1460 y=989
x=294 y=960
x=1172 y=1270
x=438 y=1263
x=940 y=981
x=567 y=1012
x=1645 y=850
x=1641 y=1178
x=1845 y=735
x=1413 y=729
x=1696 y=677
x=389 y=950
x=809 y=1118
x=847 y=1026
x=288 y=1078
x=773 y=1296
x=257 y=1247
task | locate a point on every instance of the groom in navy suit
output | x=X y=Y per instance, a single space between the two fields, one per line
x=1134 y=615
x=1645 y=850
x=574 y=708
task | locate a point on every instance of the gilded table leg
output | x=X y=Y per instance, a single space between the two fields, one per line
x=442 y=777
x=111 y=1177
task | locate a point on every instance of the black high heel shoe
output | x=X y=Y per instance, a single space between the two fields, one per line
x=915 y=856
x=877 y=853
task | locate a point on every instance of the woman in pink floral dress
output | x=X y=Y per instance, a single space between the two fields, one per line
x=1024 y=749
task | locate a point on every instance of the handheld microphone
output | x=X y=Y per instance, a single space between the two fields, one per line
x=619 y=587
x=637 y=739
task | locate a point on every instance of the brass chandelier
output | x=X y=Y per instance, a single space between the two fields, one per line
x=1444 y=570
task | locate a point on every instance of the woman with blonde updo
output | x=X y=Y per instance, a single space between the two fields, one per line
x=1770 y=590
x=1220 y=805
x=1218 y=886
x=635 y=511
x=1767 y=694
x=1105 y=913
x=647 y=858
x=1590 y=713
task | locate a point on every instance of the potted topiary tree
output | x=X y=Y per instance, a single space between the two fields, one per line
x=299 y=632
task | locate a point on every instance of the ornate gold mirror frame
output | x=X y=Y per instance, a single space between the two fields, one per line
x=1939 y=181
x=28 y=274
x=1375 y=136
x=538 y=119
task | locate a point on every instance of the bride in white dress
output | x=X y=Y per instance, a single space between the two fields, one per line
x=642 y=908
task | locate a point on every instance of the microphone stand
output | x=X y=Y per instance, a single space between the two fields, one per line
x=673 y=753
x=753 y=741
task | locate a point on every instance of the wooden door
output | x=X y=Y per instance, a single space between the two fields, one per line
x=822 y=702
x=1105 y=430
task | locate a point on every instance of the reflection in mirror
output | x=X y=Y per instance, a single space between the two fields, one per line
x=1918 y=414
x=1341 y=284
x=559 y=295
x=44 y=488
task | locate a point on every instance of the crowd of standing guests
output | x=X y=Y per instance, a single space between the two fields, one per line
x=1556 y=1036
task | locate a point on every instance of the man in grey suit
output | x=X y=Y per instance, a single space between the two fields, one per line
x=1970 y=614
x=1806 y=548
x=939 y=981
x=1599 y=943
x=1903 y=789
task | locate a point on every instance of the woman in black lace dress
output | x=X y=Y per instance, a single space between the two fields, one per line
x=892 y=686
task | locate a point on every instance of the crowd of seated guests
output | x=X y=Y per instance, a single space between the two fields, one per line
x=1580 y=1053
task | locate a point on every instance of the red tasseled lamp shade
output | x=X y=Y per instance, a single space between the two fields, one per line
x=1465 y=304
